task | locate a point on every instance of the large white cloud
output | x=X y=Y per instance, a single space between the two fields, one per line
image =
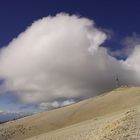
x=61 y=58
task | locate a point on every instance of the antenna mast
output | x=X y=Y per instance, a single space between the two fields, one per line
x=117 y=82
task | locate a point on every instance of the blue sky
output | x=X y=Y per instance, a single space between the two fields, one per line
x=121 y=17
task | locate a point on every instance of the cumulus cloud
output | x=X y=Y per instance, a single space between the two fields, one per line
x=62 y=58
x=55 y=104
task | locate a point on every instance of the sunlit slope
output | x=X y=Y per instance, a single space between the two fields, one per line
x=116 y=100
x=121 y=125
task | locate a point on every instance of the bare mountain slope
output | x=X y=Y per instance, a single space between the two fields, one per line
x=114 y=101
x=122 y=125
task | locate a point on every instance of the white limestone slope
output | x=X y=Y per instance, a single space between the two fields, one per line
x=123 y=125
x=99 y=117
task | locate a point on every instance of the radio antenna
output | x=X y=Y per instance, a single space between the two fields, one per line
x=117 y=81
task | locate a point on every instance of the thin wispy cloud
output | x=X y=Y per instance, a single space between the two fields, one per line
x=128 y=44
